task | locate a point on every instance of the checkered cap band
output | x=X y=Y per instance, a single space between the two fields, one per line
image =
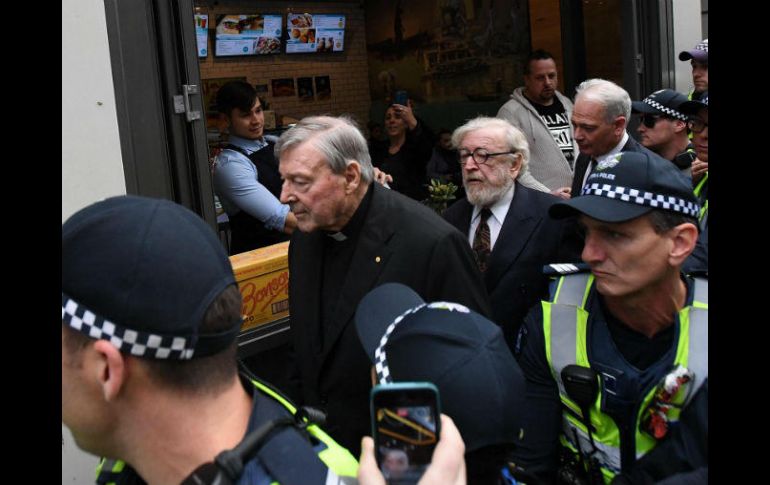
x=665 y=109
x=703 y=46
x=380 y=359
x=640 y=197
x=140 y=344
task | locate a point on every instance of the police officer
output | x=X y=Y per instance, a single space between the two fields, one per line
x=698 y=122
x=699 y=59
x=663 y=127
x=616 y=353
x=150 y=318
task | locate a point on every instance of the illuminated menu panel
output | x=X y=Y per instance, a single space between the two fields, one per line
x=248 y=34
x=315 y=33
x=201 y=33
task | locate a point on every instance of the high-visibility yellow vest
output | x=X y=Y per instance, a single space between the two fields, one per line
x=566 y=322
x=704 y=209
x=338 y=459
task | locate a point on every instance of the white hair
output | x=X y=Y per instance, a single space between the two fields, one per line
x=338 y=139
x=513 y=137
x=615 y=99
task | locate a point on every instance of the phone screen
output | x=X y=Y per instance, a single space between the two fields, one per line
x=406 y=430
x=401 y=98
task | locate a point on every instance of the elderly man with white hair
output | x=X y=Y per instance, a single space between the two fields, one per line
x=354 y=235
x=599 y=120
x=506 y=223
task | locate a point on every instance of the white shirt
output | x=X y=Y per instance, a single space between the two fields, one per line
x=607 y=155
x=495 y=222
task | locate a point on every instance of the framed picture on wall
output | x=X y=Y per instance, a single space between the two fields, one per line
x=323 y=87
x=283 y=87
x=305 y=88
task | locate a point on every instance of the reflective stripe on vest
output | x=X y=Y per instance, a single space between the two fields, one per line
x=699 y=188
x=108 y=470
x=570 y=297
x=704 y=209
x=338 y=459
x=696 y=320
x=565 y=323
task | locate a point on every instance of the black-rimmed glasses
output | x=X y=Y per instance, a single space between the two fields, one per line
x=696 y=125
x=480 y=155
x=649 y=120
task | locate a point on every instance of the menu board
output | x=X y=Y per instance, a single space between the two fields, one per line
x=201 y=33
x=248 y=35
x=315 y=33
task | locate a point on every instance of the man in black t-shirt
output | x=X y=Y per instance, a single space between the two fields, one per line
x=555 y=118
x=543 y=114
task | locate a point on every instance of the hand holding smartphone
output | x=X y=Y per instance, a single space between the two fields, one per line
x=401 y=97
x=405 y=428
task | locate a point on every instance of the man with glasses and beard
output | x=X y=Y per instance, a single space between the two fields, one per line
x=506 y=223
x=663 y=127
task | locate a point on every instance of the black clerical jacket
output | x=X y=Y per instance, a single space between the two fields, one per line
x=401 y=241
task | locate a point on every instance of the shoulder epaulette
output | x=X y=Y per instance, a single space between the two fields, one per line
x=561 y=269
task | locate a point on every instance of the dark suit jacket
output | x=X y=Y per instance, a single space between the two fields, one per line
x=528 y=240
x=401 y=241
x=581 y=164
x=573 y=240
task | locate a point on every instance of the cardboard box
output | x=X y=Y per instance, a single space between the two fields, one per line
x=263 y=278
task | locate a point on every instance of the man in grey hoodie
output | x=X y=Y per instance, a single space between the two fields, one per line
x=543 y=114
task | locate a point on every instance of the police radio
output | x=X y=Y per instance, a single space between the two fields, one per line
x=582 y=386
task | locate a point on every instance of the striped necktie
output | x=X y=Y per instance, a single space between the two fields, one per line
x=481 y=242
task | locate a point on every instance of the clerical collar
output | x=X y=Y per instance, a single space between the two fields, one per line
x=354 y=225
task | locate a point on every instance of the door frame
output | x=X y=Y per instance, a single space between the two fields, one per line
x=154 y=54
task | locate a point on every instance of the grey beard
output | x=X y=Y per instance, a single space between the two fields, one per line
x=487 y=196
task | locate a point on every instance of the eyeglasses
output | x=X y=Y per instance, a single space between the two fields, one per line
x=649 y=120
x=696 y=125
x=479 y=155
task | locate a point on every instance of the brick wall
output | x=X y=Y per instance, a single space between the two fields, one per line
x=347 y=71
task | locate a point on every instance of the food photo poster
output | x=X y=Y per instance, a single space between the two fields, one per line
x=323 y=87
x=305 y=88
x=283 y=87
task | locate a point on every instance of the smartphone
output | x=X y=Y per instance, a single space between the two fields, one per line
x=406 y=426
x=401 y=97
